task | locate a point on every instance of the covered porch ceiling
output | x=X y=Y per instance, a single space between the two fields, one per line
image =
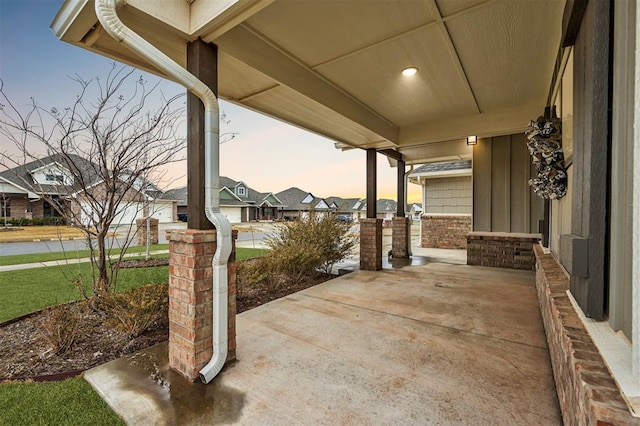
x=333 y=67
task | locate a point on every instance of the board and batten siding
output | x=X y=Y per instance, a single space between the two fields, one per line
x=502 y=198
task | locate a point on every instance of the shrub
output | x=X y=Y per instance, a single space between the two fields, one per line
x=38 y=221
x=298 y=250
x=135 y=311
x=61 y=325
x=311 y=243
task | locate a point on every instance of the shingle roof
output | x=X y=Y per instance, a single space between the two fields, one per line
x=442 y=167
x=177 y=194
x=345 y=205
x=382 y=205
x=251 y=197
x=292 y=199
x=22 y=175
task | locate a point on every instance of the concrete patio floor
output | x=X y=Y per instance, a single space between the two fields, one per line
x=431 y=344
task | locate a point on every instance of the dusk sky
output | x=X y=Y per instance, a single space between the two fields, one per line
x=267 y=155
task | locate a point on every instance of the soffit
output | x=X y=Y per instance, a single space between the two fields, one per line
x=333 y=67
x=505 y=51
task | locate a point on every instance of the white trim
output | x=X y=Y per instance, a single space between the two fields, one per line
x=442 y=174
x=66 y=16
x=271 y=194
x=322 y=205
x=224 y=188
x=635 y=243
x=8 y=182
x=615 y=349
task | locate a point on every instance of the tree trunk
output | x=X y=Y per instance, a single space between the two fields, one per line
x=102 y=283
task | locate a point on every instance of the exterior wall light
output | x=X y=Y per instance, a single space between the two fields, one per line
x=472 y=140
x=409 y=71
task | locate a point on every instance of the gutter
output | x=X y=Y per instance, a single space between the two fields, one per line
x=106 y=10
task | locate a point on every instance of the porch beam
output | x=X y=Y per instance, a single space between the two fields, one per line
x=202 y=62
x=488 y=124
x=391 y=153
x=248 y=45
x=371 y=183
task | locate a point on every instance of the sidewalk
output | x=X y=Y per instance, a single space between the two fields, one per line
x=67 y=262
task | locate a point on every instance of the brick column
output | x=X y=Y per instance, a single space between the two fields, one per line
x=190 y=300
x=141 y=231
x=401 y=238
x=371 y=244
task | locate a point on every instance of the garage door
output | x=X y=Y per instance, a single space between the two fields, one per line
x=232 y=213
x=163 y=212
x=128 y=214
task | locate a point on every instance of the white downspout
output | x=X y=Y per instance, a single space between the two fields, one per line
x=108 y=17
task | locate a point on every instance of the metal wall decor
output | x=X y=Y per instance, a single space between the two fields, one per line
x=545 y=147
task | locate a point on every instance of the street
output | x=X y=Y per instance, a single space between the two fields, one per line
x=248 y=235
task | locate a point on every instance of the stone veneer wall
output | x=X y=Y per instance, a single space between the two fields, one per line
x=371 y=244
x=445 y=231
x=587 y=393
x=190 y=300
x=401 y=238
x=141 y=231
x=502 y=250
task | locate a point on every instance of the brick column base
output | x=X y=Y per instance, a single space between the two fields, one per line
x=401 y=238
x=190 y=300
x=371 y=244
x=141 y=231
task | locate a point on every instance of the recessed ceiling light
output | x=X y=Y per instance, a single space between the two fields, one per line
x=409 y=71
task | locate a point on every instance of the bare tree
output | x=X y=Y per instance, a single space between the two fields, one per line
x=106 y=152
x=4 y=204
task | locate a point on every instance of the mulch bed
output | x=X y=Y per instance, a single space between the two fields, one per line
x=24 y=354
x=140 y=263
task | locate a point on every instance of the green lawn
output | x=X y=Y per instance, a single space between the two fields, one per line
x=17 y=259
x=70 y=402
x=29 y=290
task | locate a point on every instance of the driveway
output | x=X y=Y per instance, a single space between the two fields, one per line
x=431 y=344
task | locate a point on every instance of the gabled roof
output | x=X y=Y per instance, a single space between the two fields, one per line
x=383 y=205
x=251 y=196
x=176 y=194
x=344 y=205
x=22 y=176
x=443 y=169
x=228 y=186
x=78 y=167
x=293 y=199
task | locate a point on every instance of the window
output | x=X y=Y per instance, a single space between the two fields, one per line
x=48 y=210
x=55 y=178
x=241 y=190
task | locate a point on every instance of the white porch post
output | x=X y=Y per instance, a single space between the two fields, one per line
x=424 y=195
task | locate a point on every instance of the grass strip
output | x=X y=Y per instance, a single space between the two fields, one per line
x=69 y=402
x=29 y=290
x=17 y=259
